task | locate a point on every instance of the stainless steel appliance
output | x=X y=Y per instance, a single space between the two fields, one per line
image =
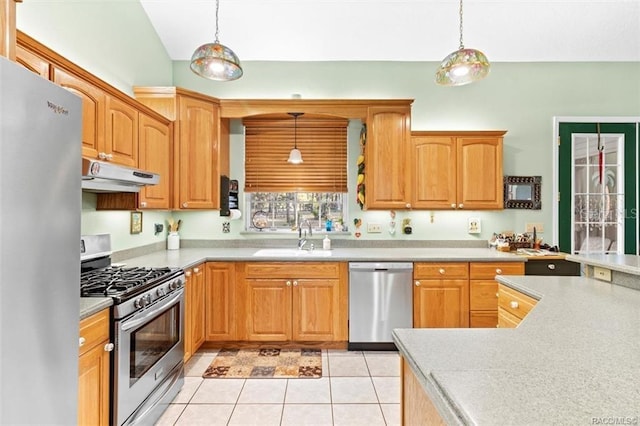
x=99 y=176
x=147 y=328
x=380 y=299
x=40 y=205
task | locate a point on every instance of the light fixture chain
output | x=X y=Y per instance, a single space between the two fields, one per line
x=461 y=43
x=217 y=8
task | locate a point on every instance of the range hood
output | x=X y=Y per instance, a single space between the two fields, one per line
x=100 y=176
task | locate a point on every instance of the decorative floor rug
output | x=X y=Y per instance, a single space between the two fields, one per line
x=265 y=363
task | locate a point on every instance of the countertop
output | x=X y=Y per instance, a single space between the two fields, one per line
x=573 y=359
x=627 y=263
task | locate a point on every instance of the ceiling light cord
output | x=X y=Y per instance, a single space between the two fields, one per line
x=217 y=32
x=461 y=43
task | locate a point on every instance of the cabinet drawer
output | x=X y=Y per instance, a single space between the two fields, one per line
x=444 y=270
x=488 y=270
x=94 y=330
x=507 y=320
x=292 y=270
x=483 y=295
x=552 y=267
x=514 y=302
x=483 y=319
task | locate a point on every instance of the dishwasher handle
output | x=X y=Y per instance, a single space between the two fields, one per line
x=381 y=266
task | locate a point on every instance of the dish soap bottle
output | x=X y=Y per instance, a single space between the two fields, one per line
x=326 y=243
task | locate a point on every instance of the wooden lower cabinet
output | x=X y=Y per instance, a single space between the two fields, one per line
x=441 y=295
x=293 y=301
x=220 y=302
x=513 y=306
x=483 y=300
x=417 y=408
x=194 y=296
x=94 y=368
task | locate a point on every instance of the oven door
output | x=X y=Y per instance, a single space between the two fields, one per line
x=148 y=360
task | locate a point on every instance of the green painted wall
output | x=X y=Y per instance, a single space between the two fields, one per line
x=115 y=41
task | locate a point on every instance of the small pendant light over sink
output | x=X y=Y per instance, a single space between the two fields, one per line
x=463 y=66
x=216 y=61
x=295 y=156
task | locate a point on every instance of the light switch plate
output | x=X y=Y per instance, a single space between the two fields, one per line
x=374 y=228
x=602 y=274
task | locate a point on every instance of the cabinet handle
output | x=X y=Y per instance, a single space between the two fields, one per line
x=408 y=205
x=143 y=204
x=460 y=206
x=497 y=325
x=514 y=304
x=498 y=271
x=187 y=274
x=109 y=157
x=185 y=205
x=102 y=155
x=288 y=283
x=81 y=341
x=497 y=294
x=196 y=270
x=108 y=347
x=453 y=205
x=551 y=266
x=295 y=283
x=417 y=283
x=442 y=271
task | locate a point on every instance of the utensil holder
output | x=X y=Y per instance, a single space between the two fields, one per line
x=173 y=241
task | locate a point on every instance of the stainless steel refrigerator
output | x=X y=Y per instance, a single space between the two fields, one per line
x=40 y=205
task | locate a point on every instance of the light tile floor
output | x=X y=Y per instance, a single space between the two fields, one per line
x=356 y=388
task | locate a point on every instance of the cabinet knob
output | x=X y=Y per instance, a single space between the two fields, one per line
x=497 y=325
x=81 y=341
x=288 y=283
x=408 y=205
x=551 y=266
x=514 y=304
x=453 y=205
x=295 y=283
x=185 y=205
x=187 y=274
x=109 y=157
x=460 y=206
x=417 y=283
x=108 y=347
x=442 y=271
x=498 y=271
x=196 y=270
x=102 y=155
x=143 y=204
x=497 y=294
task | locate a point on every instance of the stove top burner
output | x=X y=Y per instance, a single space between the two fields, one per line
x=120 y=282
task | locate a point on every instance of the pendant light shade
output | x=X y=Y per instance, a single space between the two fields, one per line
x=216 y=61
x=463 y=66
x=295 y=156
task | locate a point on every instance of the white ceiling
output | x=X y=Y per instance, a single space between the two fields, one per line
x=402 y=30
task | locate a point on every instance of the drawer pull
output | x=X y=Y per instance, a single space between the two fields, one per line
x=514 y=304
x=497 y=294
x=551 y=266
x=288 y=283
x=82 y=341
x=442 y=271
x=108 y=347
x=196 y=270
x=498 y=271
x=187 y=274
x=295 y=283
x=417 y=283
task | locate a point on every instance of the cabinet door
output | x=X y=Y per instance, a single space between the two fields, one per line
x=188 y=316
x=197 y=308
x=434 y=173
x=387 y=178
x=441 y=303
x=315 y=310
x=121 y=138
x=220 y=302
x=197 y=162
x=93 y=386
x=155 y=156
x=93 y=111
x=480 y=183
x=32 y=62
x=268 y=310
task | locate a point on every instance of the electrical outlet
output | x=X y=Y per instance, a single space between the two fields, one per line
x=538 y=225
x=374 y=228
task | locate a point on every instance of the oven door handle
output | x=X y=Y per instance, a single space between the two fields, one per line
x=136 y=321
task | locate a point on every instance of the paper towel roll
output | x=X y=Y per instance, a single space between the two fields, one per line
x=235 y=214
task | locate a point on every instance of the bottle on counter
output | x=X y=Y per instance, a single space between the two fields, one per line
x=326 y=243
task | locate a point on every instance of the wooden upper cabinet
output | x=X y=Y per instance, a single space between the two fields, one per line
x=33 y=62
x=121 y=138
x=93 y=111
x=387 y=183
x=457 y=170
x=155 y=145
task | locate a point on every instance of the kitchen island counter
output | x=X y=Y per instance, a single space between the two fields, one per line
x=575 y=358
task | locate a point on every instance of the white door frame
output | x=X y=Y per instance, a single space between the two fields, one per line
x=557 y=120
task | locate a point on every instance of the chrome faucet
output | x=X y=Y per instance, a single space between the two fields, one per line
x=303 y=240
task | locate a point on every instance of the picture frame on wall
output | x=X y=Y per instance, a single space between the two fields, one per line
x=136 y=222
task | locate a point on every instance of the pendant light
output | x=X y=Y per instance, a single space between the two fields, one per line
x=216 y=61
x=295 y=156
x=463 y=66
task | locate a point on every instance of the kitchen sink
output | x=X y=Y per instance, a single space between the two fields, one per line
x=285 y=252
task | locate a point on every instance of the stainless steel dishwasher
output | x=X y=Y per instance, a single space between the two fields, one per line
x=380 y=299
